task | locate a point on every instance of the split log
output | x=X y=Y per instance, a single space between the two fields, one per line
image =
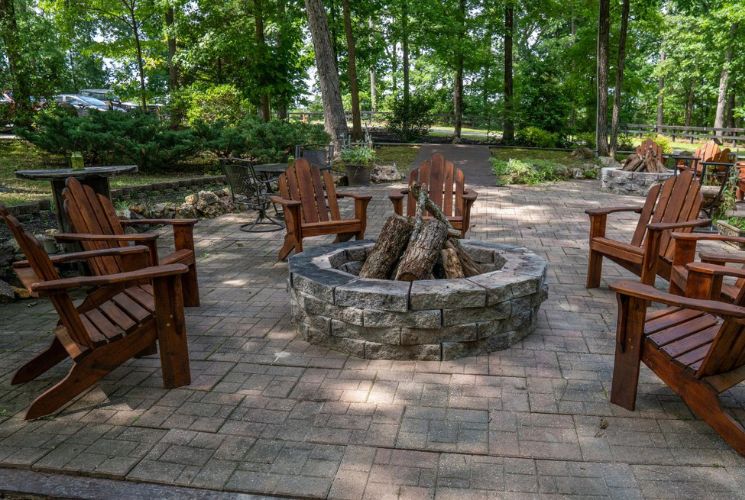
x=389 y=246
x=420 y=256
x=451 y=263
x=632 y=163
x=470 y=267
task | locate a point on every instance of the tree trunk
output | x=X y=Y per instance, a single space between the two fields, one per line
x=724 y=82
x=264 y=107
x=405 y=52
x=660 y=100
x=373 y=91
x=352 y=72
x=140 y=64
x=601 y=122
x=282 y=98
x=171 y=39
x=388 y=248
x=333 y=109
x=420 y=256
x=731 y=110
x=508 y=127
x=16 y=63
x=689 y=105
x=459 y=58
x=616 y=113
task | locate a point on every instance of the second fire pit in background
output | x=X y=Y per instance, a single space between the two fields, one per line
x=423 y=320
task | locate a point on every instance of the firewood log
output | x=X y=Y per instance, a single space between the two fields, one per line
x=420 y=256
x=393 y=239
x=451 y=263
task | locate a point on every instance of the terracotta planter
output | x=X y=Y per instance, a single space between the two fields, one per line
x=358 y=175
x=726 y=229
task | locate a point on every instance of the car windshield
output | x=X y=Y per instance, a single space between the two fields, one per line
x=92 y=101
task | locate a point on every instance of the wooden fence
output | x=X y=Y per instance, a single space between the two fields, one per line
x=731 y=136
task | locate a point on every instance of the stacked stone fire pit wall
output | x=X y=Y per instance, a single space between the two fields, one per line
x=421 y=320
x=619 y=181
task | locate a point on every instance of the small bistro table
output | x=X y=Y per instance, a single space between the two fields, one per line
x=95 y=177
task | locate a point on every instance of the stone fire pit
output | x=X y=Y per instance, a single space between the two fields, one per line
x=422 y=320
x=616 y=180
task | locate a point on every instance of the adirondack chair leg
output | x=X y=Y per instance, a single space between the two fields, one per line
x=629 y=338
x=169 y=312
x=40 y=363
x=594 y=269
x=704 y=402
x=287 y=247
x=89 y=370
x=190 y=286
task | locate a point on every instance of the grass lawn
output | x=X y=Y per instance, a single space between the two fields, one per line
x=537 y=154
x=402 y=155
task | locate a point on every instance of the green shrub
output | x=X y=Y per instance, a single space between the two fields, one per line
x=112 y=137
x=536 y=137
x=412 y=124
x=534 y=171
x=586 y=139
x=264 y=142
x=359 y=156
x=222 y=103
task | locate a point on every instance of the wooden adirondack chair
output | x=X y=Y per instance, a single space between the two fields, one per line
x=311 y=207
x=97 y=226
x=446 y=185
x=121 y=318
x=672 y=205
x=647 y=145
x=696 y=345
x=706 y=152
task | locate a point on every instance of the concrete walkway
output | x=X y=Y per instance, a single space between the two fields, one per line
x=473 y=160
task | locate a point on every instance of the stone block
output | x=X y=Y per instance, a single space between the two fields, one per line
x=411 y=319
x=430 y=352
x=390 y=335
x=384 y=295
x=313 y=306
x=355 y=347
x=319 y=283
x=459 y=333
x=452 y=317
x=437 y=294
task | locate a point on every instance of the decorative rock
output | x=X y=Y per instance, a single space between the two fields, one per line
x=6 y=293
x=191 y=199
x=422 y=320
x=385 y=173
x=186 y=211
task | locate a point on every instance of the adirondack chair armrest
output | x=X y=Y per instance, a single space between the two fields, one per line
x=284 y=202
x=158 y=222
x=650 y=293
x=142 y=237
x=356 y=196
x=609 y=210
x=60 y=285
x=470 y=195
x=720 y=258
x=667 y=226
x=90 y=254
x=715 y=269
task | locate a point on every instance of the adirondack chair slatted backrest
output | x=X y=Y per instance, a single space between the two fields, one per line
x=313 y=188
x=45 y=271
x=93 y=213
x=446 y=185
x=678 y=199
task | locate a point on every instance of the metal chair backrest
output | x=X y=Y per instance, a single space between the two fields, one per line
x=319 y=156
x=241 y=177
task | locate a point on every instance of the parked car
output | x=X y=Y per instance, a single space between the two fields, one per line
x=108 y=96
x=81 y=104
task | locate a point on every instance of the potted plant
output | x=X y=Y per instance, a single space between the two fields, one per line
x=358 y=162
x=732 y=226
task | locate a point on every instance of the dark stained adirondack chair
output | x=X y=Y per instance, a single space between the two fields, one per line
x=123 y=317
x=647 y=145
x=97 y=226
x=695 y=345
x=672 y=205
x=446 y=185
x=311 y=207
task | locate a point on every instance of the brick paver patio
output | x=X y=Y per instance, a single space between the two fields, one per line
x=267 y=413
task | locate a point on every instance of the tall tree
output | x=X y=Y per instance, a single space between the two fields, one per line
x=333 y=109
x=621 y=62
x=660 y=98
x=352 y=72
x=508 y=127
x=601 y=120
x=724 y=81
x=459 y=61
x=170 y=17
x=405 y=51
x=16 y=63
x=263 y=52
